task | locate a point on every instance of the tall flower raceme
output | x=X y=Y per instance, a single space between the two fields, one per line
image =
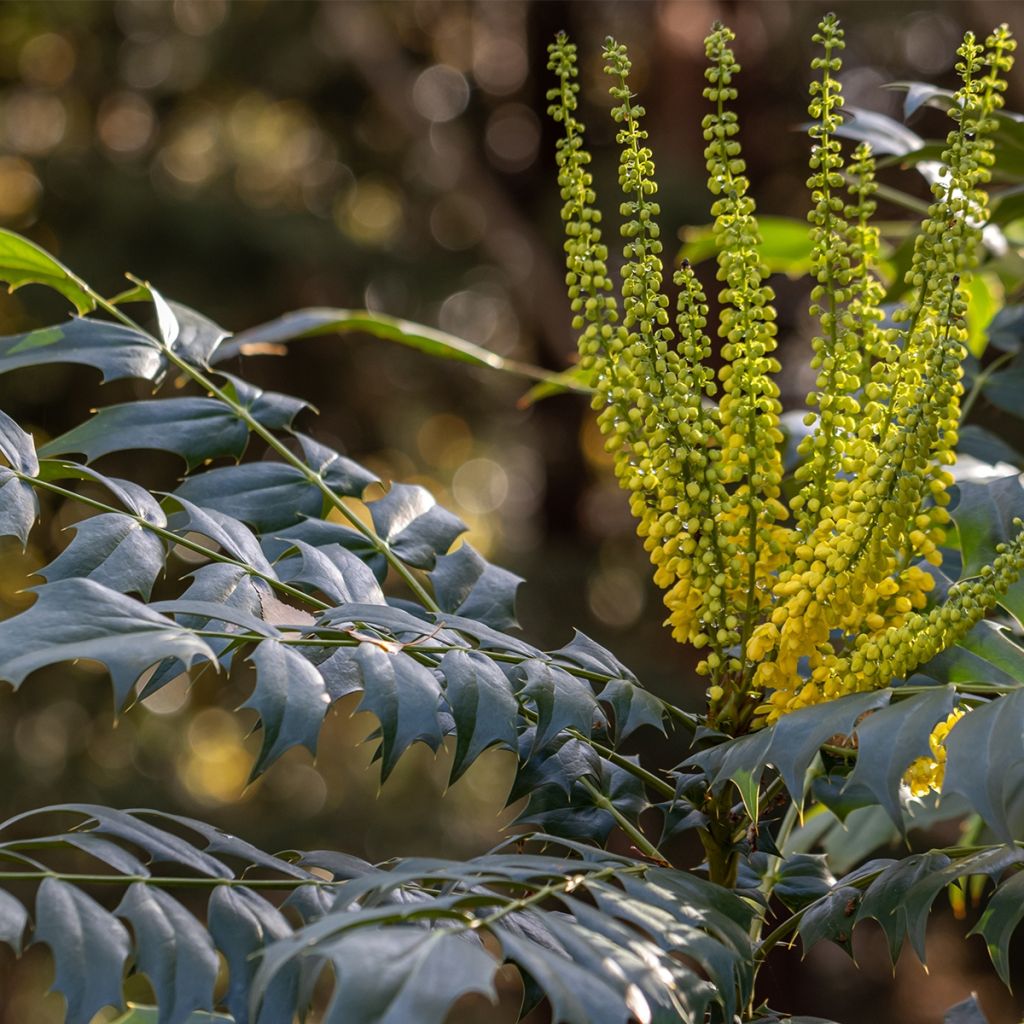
x=791 y=602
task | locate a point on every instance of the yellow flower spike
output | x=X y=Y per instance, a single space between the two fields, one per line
x=836 y=602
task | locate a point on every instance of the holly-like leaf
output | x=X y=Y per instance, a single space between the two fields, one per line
x=890 y=739
x=483 y=706
x=173 y=950
x=242 y=923
x=468 y=585
x=23 y=262
x=967 y=1012
x=114 y=350
x=562 y=701
x=78 y=618
x=113 y=550
x=342 y=577
x=89 y=946
x=234 y=537
x=19 y=506
x=985 y=760
x=984 y=517
x=415 y=527
x=267 y=495
x=999 y=920
x=632 y=707
x=291 y=699
x=405 y=696
x=13 y=919
x=194 y=428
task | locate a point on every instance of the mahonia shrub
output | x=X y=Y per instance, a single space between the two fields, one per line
x=840 y=607
x=801 y=591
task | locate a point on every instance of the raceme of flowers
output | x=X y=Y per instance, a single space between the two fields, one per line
x=803 y=590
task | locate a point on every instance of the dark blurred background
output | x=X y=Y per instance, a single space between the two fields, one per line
x=253 y=158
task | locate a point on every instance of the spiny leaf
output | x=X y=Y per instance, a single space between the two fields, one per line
x=113 y=550
x=985 y=760
x=967 y=1012
x=405 y=696
x=562 y=701
x=999 y=921
x=291 y=700
x=404 y=973
x=89 y=946
x=114 y=350
x=194 y=428
x=242 y=923
x=173 y=950
x=632 y=707
x=78 y=618
x=483 y=705
x=468 y=585
x=18 y=506
x=890 y=739
x=13 y=919
x=23 y=262
x=342 y=577
x=271 y=408
x=234 y=537
x=16 y=447
x=322 y=533
x=415 y=527
x=267 y=495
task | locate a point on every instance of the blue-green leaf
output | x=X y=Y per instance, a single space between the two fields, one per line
x=113 y=550
x=985 y=760
x=173 y=950
x=242 y=923
x=291 y=700
x=89 y=946
x=415 y=527
x=483 y=705
x=466 y=584
x=405 y=696
x=562 y=701
x=342 y=577
x=13 y=919
x=18 y=506
x=890 y=739
x=78 y=618
x=999 y=920
x=234 y=537
x=114 y=350
x=194 y=428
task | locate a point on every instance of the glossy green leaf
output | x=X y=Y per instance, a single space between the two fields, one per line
x=19 y=506
x=405 y=696
x=112 y=550
x=78 y=618
x=339 y=575
x=415 y=527
x=89 y=946
x=483 y=706
x=23 y=262
x=114 y=350
x=290 y=698
x=890 y=739
x=268 y=338
x=172 y=949
x=562 y=701
x=467 y=584
x=194 y=428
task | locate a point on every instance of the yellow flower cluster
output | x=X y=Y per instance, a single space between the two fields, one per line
x=803 y=590
x=927 y=773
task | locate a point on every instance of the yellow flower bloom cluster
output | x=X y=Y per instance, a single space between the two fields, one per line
x=927 y=773
x=803 y=590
